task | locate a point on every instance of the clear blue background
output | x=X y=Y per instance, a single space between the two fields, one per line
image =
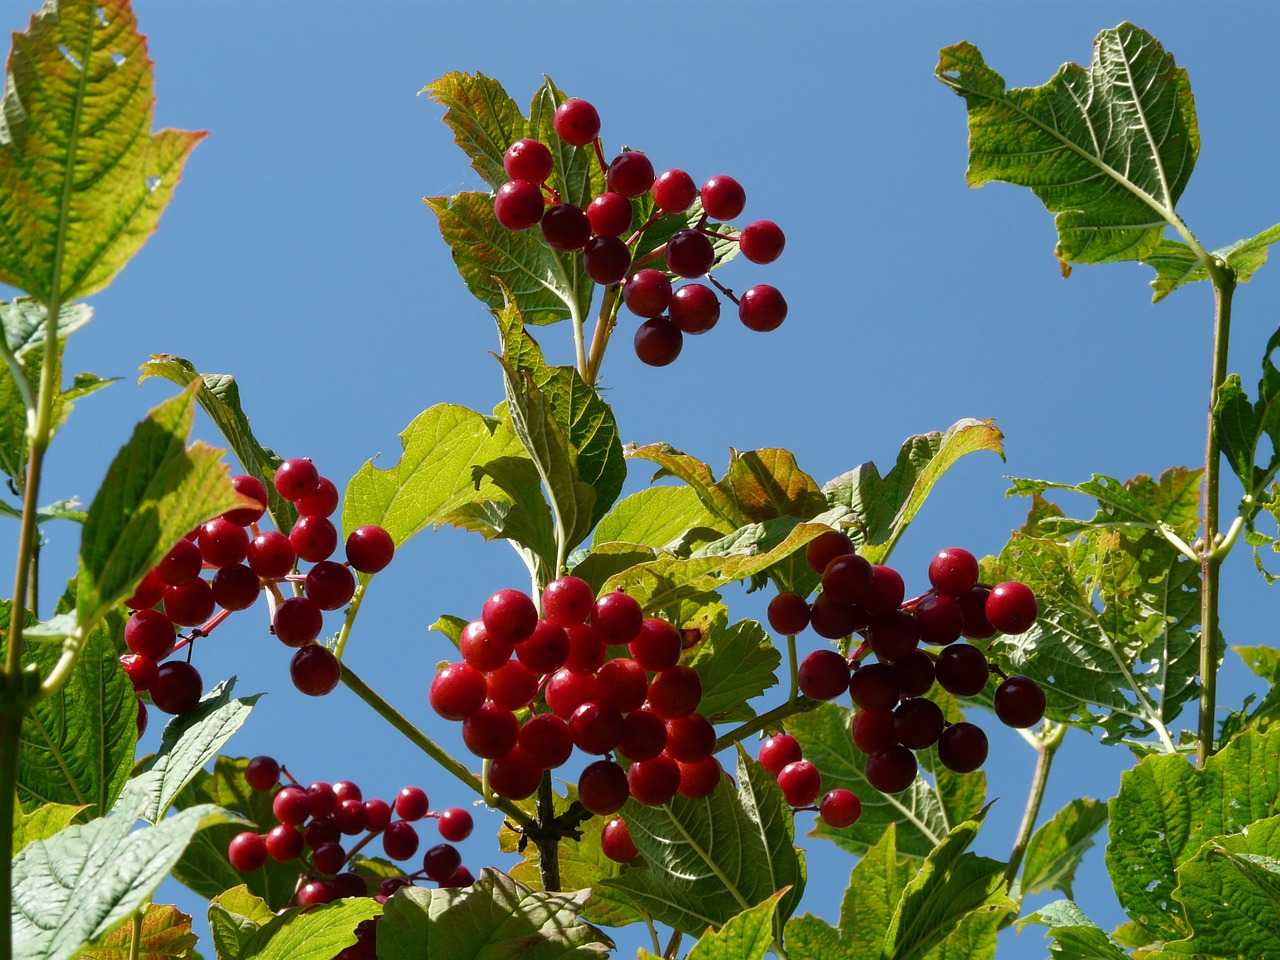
x=298 y=256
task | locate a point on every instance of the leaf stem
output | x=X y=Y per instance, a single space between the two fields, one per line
x=673 y=945
x=794 y=667
x=1044 y=760
x=135 y=941
x=1224 y=286
x=765 y=721
x=427 y=745
x=353 y=608
x=605 y=322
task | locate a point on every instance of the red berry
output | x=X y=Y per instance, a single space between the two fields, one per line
x=689 y=253
x=617 y=618
x=587 y=652
x=350 y=817
x=510 y=616
x=892 y=769
x=940 y=619
x=694 y=308
x=630 y=174
x=296 y=478
x=644 y=735
x=546 y=650
x=623 y=683
x=349 y=885
x=873 y=730
x=291 y=807
x=369 y=548
x=346 y=790
x=252 y=489
x=377 y=814
x=491 y=731
x=953 y=571
x=1011 y=607
x=568 y=601
x=674 y=191
x=223 y=543
x=647 y=293
x=320 y=502
x=825 y=547
x=658 y=645
x=654 y=782
x=690 y=739
x=1019 y=702
x=314 y=538
x=800 y=782
x=566 y=691
x=329 y=857
x=974 y=606
x=918 y=723
x=602 y=787
x=189 y=604
x=148 y=592
x=566 y=227
x=284 y=843
x=887 y=591
x=180 y=565
x=141 y=720
x=788 y=613
x=723 y=198
x=675 y=693
x=458 y=691
x=262 y=773
x=461 y=878
x=610 y=214
x=513 y=685
x=576 y=122
x=298 y=621
x=874 y=686
x=235 y=587
x=697 y=780
x=247 y=851
x=835 y=620
x=762 y=241
x=481 y=650
x=762 y=308
x=840 y=808
x=778 y=751
x=518 y=205
x=177 y=687
x=848 y=579
x=400 y=840
x=513 y=776
x=962 y=670
x=455 y=824
x=142 y=670
x=545 y=741
x=315 y=670
x=915 y=673
x=962 y=747
x=823 y=675
x=151 y=634
x=893 y=635
x=412 y=803
x=441 y=862
x=607 y=259
x=528 y=159
x=271 y=555
x=330 y=584
x=616 y=842
x=658 y=342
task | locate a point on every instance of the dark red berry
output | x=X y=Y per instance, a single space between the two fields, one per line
x=962 y=670
x=298 y=621
x=762 y=308
x=698 y=779
x=284 y=843
x=893 y=635
x=412 y=803
x=455 y=824
x=825 y=547
x=602 y=787
x=400 y=840
x=518 y=205
x=623 y=683
x=441 y=862
x=587 y=652
x=329 y=857
x=314 y=538
x=566 y=691
x=607 y=259
x=616 y=842
x=875 y=686
x=247 y=851
x=513 y=685
x=370 y=548
x=840 y=808
x=834 y=620
x=823 y=675
x=291 y=807
x=140 y=670
x=887 y=591
x=974 y=606
x=762 y=241
x=940 y=619
x=189 y=604
x=658 y=645
x=915 y=673
x=723 y=197
x=235 y=587
x=675 y=693
x=271 y=555
x=892 y=769
x=953 y=571
x=689 y=253
x=1019 y=702
x=788 y=613
x=674 y=191
x=147 y=594
x=630 y=174
x=377 y=814
x=658 y=341
x=180 y=565
x=644 y=735
x=694 y=308
x=223 y=543
x=262 y=773
x=690 y=739
x=315 y=670
x=873 y=730
x=513 y=776
x=647 y=293
x=177 y=687
x=528 y=159
x=576 y=122
x=617 y=618
x=320 y=502
x=654 y=782
x=848 y=579
x=610 y=214
x=151 y=634
x=566 y=227
x=491 y=731
x=918 y=723
x=963 y=747
x=330 y=584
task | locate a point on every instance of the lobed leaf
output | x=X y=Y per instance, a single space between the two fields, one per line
x=165 y=933
x=522 y=516
x=1176 y=264
x=317 y=933
x=656 y=517
x=41 y=823
x=83 y=180
x=747 y=936
x=483 y=118
x=1075 y=936
x=234 y=917
x=1108 y=149
x=735 y=665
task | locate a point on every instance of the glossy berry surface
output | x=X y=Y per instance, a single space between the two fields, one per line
x=953 y=571
x=412 y=803
x=825 y=547
x=262 y=773
x=1020 y=702
x=252 y=488
x=298 y=621
x=762 y=308
x=527 y=159
x=247 y=851
x=674 y=191
x=189 y=604
x=823 y=675
x=455 y=824
x=762 y=241
x=518 y=205
x=689 y=253
x=963 y=747
x=788 y=613
x=296 y=478
x=314 y=538
x=694 y=308
x=607 y=259
x=616 y=842
x=513 y=776
x=840 y=808
x=658 y=342
x=576 y=122
x=400 y=840
x=654 y=782
x=723 y=198
x=800 y=782
x=647 y=293
x=320 y=502
x=568 y=601
x=1011 y=607
x=457 y=691
x=510 y=616
x=630 y=174
x=369 y=548
x=331 y=585
x=892 y=769
x=610 y=215
x=151 y=634
x=617 y=618
x=778 y=751
x=602 y=787
x=566 y=227
x=315 y=670
x=235 y=587
x=177 y=687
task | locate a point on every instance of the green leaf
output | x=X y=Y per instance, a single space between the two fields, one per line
x=192 y=740
x=204 y=867
x=869 y=904
x=951 y=884
x=41 y=823
x=1241 y=427
x=1108 y=149
x=825 y=739
x=316 y=933
x=234 y=917
x=735 y=665
x=1265 y=662
x=747 y=936
x=883 y=507
x=156 y=489
x=83 y=178
x=219 y=396
x=77 y=745
x=1167 y=810
x=587 y=421
x=1230 y=891
x=166 y=933
x=23 y=321
x=1176 y=264
x=496 y=918
x=522 y=517
x=710 y=859
x=669 y=580
x=435 y=476
x=483 y=118
x=575 y=175
x=83 y=882
x=974 y=938
x=656 y=517
x=1056 y=849
x=450 y=626
x=609 y=560
x=1075 y=936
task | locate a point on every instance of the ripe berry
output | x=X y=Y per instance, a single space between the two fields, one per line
x=974 y=606
x=141 y=720
x=271 y=555
x=918 y=723
x=658 y=645
x=874 y=686
x=873 y=730
x=953 y=571
x=848 y=578
x=291 y=806
x=675 y=693
x=823 y=675
x=388 y=887
x=694 y=308
x=320 y=829
x=151 y=634
x=690 y=739
x=689 y=253
x=177 y=687
x=142 y=670
x=412 y=803
x=607 y=259
x=825 y=547
x=346 y=790
x=566 y=227
x=350 y=817
x=329 y=857
x=377 y=814
x=545 y=741
x=576 y=122
x=314 y=538
x=400 y=840
x=892 y=769
x=252 y=489
x=697 y=780
x=623 y=683
x=962 y=670
x=320 y=502
x=568 y=601
x=778 y=751
x=962 y=747
x=510 y=615
x=148 y=592
x=788 y=613
x=1011 y=607
x=894 y=635
x=481 y=650
x=674 y=191
x=235 y=587
x=223 y=543
x=587 y=652
x=617 y=618
x=834 y=620
x=630 y=174
x=658 y=341
x=513 y=776
x=455 y=824
x=180 y=565
x=296 y=478
x=315 y=670
x=610 y=214
x=887 y=590
x=513 y=685
x=940 y=619
x=602 y=787
x=330 y=584
x=616 y=842
x=915 y=673
x=284 y=843
x=566 y=691
x=457 y=691
x=723 y=197
x=262 y=773
x=247 y=851
x=647 y=293
x=840 y=808
x=298 y=621
x=546 y=650
x=461 y=878
x=518 y=205
x=644 y=735
x=762 y=241
x=1019 y=702
x=800 y=782
x=189 y=604
x=441 y=862
x=528 y=159
x=369 y=548
x=654 y=782
x=349 y=885
x=762 y=308
x=491 y=731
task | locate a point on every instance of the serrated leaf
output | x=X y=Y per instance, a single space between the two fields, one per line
x=157 y=488
x=695 y=474
x=234 y=916
x=41 y=823
x=655 y=518
x=707 y=860
x=192 y=740
x=1108 y=149
x=1166 y=810
x=435 y=474
x=1169 y=505
x=83 y=882
x=1265 y=662
x=23 y=321
x=1075 y=936
x=575 y=174
x=496 y=918
x=735 y=665
x=610 y=560
x=204 y=867
x=316 y=933
x=883 y=507
x=165 y=935
x=77 y=745
x=219 y=396
x=1056 y=849
x=1176 y=264
x=483 y=118
x=951 y=884
x=1241 y=427
x=747 y=936
x=974 y=938
x=522 y=517
x=827 y=742
x=83 y=180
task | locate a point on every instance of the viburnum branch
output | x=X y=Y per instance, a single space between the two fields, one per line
x=353 y=608
x=766 y=720
x=1049 y=743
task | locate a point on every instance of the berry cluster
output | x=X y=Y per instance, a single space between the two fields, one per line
x=641 y=705
x=526 y=200
x=801 y=782
x=893 y=717
x=245 y=560
x=312 y=822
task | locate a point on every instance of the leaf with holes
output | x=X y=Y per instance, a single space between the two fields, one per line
x=83 y=180
x=1108 y=148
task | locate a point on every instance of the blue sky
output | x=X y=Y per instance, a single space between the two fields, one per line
x=298 y=256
